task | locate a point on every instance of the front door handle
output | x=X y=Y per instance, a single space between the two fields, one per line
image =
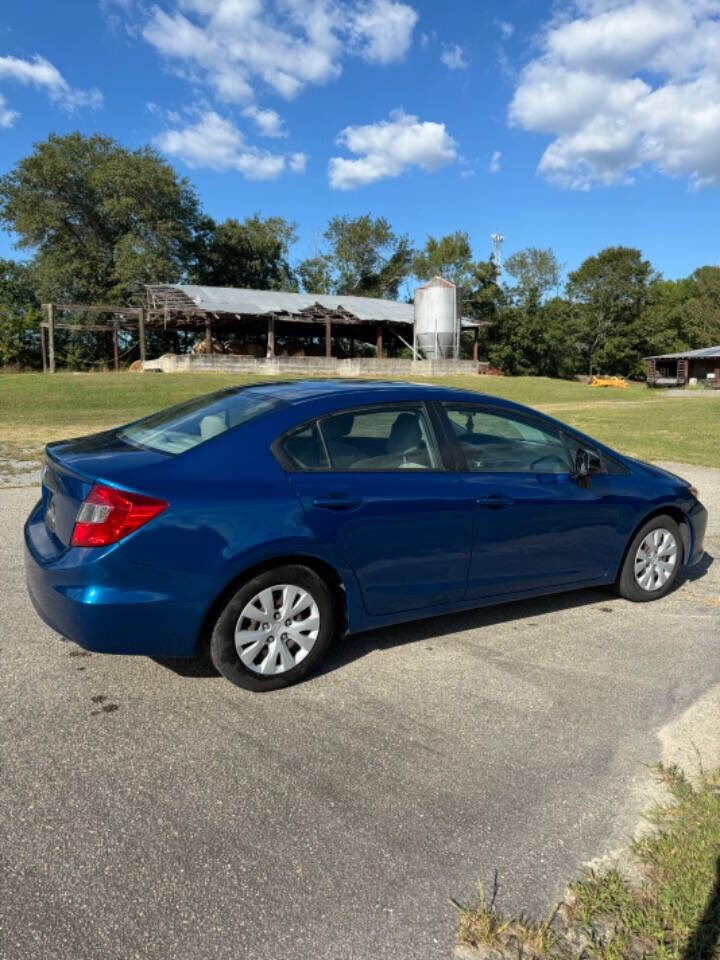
x=495 y=501
x=337 y=503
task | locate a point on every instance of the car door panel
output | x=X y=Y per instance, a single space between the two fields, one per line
x=534 y=526
x=387 y=503
x=405 y=534
x=548 y=533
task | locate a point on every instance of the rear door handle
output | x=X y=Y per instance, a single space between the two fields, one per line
x=337 y=503
x=495 y=501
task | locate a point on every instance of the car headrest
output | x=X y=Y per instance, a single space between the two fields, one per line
x=405 y=434
x=212 y=424
x=337 y=427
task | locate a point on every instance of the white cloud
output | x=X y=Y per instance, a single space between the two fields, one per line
x=269 y=123
x=626 y=84
x=298 y=162
x=7 y=116
x=507 y=29
x=43 y=75
x=382 y=29
x=453 y=57
x=215 y=142
x=282 y=44
x=495 y=162
x=388 y=148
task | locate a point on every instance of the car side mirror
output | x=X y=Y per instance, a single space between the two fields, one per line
x=587 y=462
x=582 y=468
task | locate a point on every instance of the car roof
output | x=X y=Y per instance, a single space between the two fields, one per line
x=299 y=391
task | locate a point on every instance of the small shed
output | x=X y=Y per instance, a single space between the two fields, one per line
x=677 y=369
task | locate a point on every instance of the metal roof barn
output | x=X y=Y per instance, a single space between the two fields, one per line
x=251 y=323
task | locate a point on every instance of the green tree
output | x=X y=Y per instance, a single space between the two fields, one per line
x=685 y=314
x=612 y=290
x=449 y=257
x=542 y=342
x=663 y=318
x=536 y=272
x=251 y=254
x=364 y=257
x=19 y=316
x=102 y=219
x=315 y=274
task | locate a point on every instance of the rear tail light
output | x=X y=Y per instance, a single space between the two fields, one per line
x=107 y=515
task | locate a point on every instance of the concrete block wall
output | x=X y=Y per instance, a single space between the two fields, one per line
x=311 y=366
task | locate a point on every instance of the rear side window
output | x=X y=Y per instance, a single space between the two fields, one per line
x=382 y=438
x=186 y=425
x=304 y=450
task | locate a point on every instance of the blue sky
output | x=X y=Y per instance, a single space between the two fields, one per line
x=574 y=125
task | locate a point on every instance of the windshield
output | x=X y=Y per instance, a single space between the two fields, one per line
x=186 y=425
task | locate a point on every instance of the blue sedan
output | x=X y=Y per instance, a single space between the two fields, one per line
x=261 y=522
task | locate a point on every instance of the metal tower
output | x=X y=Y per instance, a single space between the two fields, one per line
x=497 y=241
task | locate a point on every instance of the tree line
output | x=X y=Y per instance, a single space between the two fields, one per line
x=100 y=221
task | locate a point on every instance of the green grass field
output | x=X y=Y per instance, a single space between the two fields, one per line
x=37 y=408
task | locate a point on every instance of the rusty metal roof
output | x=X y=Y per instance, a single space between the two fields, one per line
x=263 y=302
x=259 y=302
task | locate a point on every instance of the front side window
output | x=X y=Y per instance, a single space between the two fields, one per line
x=186 y=425
x=495 y=442
x=384 y=438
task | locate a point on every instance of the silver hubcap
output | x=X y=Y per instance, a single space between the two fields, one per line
x=655 y=559
x=277 y=629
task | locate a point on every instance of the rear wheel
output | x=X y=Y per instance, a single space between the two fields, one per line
x=653 y=561
x=274 y=629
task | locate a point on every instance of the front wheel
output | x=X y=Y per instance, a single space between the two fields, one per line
x=274 y=629
x=652 y=562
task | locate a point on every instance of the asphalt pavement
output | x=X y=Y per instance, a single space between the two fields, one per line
x=151 y=810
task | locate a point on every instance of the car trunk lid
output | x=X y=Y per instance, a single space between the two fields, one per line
x=72 y=466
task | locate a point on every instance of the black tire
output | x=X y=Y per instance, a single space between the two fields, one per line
x=223 y=653
x=627 y=586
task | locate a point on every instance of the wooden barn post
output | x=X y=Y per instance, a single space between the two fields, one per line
x=379 y=343
x=51 y=336
x=116 y=356
x=43 y=348
x=270 y=352
x=328 y=337
x=208 y=337
x=141 y=333
x=475 y=346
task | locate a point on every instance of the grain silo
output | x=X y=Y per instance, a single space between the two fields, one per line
x=437 y=319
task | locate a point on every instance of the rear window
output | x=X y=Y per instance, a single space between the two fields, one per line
x=186 y=425
x=304 y=449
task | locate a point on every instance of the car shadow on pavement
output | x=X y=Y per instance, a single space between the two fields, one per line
x=705 y=937
x=361 y=644
x=699 y=570
x=524 y=611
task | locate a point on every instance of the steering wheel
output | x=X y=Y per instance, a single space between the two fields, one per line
x=550 y=460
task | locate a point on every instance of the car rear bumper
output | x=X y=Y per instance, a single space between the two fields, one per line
x=104 y=604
